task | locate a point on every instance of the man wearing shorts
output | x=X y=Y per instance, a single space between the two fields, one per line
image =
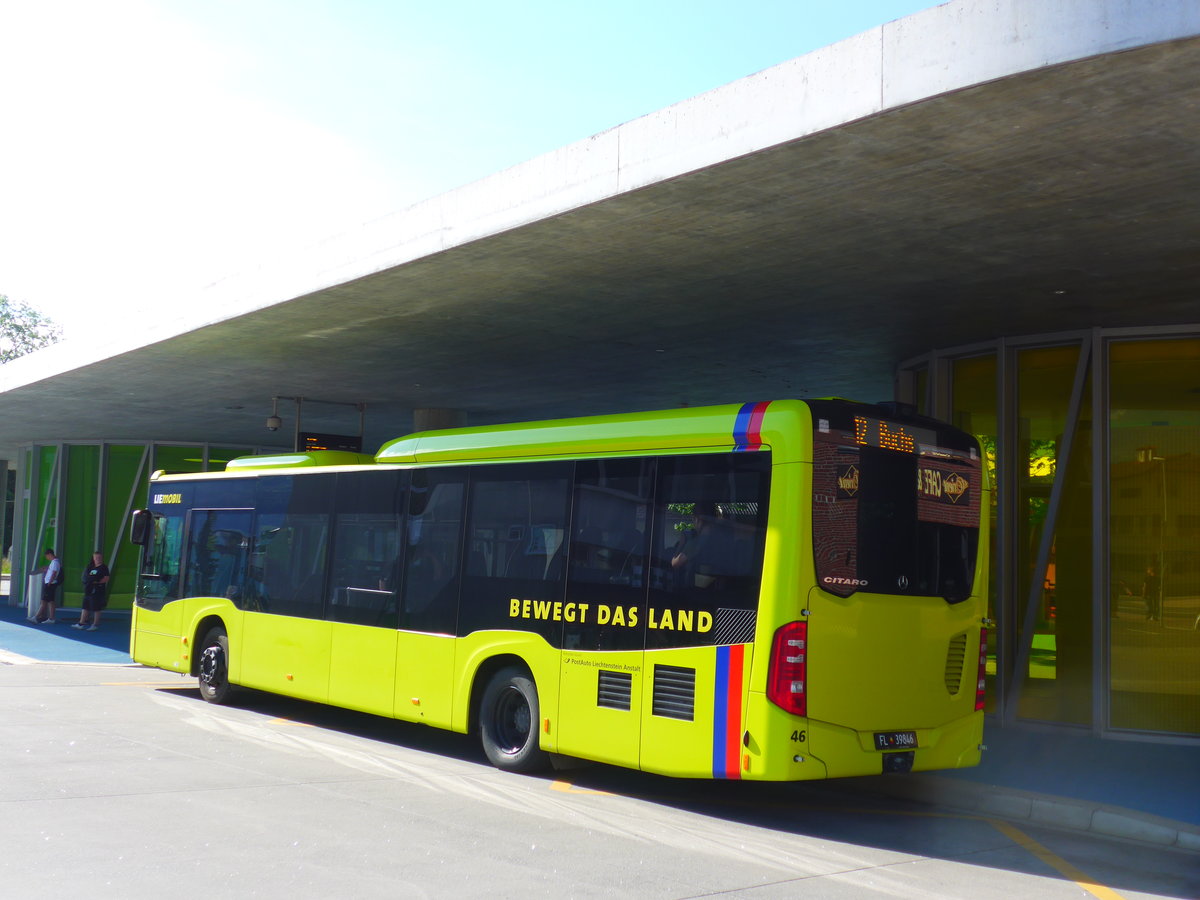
x=95 y=581
x=51 y=578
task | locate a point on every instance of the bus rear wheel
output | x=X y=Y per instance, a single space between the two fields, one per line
x=508 y=718
x=214 y=666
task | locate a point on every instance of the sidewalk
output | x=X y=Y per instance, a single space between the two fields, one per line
x=21 y=641
x=1132 y=790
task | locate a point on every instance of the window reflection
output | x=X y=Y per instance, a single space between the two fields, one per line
x=1058 y=683
x=1154 y=531
x=974 y=399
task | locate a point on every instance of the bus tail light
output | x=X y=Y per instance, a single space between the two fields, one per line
x=787 y=680
x=981 y=682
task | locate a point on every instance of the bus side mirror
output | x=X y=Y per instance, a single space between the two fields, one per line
x=142 y=526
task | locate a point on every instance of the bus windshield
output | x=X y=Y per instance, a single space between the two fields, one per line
x=896 y=504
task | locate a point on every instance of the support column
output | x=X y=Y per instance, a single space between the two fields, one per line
x=4 y=518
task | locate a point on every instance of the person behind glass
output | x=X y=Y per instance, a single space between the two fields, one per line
x=51 y=577
x=701 y=555
x=95 y=580
x=1152 y=594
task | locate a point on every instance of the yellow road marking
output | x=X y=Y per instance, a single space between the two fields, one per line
x=282 y=721
x=1054 y=861
x=1018 y=837
x=565 y=787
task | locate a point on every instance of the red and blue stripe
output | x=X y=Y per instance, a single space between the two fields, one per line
x=747 y=427
x=728 y=711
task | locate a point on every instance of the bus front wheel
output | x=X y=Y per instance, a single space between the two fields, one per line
x=508 y=722
x=214 y=666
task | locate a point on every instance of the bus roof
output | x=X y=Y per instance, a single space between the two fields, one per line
x=299 y=460
x=715 y=427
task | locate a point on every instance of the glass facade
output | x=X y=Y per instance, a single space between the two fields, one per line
x=973 y=387
x=1093 y=444
x=1154 y=535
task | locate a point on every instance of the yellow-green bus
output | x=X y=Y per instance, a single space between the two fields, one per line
x=773 y=591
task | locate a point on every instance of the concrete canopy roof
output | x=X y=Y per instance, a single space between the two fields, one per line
x=976 y=170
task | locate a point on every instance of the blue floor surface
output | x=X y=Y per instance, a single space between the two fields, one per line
x=61 y=642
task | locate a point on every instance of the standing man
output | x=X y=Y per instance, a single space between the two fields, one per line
x=1152 y=594
x=51 y=579
x=95 y=592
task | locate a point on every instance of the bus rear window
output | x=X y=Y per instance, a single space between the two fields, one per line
x=896 y=504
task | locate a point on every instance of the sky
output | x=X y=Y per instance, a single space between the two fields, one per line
x=149 y=148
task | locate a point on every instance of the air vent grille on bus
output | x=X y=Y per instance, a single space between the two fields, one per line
x=956 y=655
x=674 y=692
x=615 y=690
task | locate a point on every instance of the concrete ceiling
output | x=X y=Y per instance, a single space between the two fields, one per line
x=1052 y=199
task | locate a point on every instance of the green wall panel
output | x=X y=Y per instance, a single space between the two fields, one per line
x=126 y=478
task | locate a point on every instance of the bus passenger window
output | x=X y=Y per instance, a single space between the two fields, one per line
x=612 y=506
x=217 y=553
x=289 y=564
x=366 y=567
x=610 y=534
x=711 y=516
x=516 y=532
x=366 y=561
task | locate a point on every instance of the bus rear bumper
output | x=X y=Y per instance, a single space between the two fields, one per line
x=847 y=752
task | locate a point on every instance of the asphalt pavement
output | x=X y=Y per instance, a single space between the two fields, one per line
x=1132 y=790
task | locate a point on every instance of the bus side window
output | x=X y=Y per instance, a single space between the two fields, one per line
x=289 y=561
x=365 y=569
x=608 y=550
x=218 y=545
x=612 y=506
x=366 y=561
x=288 y=565
x=711 y=514
x=517 y=522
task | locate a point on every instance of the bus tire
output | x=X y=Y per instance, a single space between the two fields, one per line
x=213 y=669
x=508 y=722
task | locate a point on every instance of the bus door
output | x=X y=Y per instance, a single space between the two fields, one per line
x=602 y=674
x=156 y=618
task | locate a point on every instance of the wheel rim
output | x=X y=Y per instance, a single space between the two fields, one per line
x=512 y=721
x=212 y=666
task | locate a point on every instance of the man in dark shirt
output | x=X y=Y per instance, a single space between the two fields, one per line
x=95 y=592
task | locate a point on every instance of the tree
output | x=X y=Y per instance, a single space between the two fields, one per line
x=23 y=329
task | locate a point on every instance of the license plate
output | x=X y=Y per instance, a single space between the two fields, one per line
x=895 y=740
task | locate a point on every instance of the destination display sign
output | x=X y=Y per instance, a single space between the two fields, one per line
x=869 y=432
x=312 y=440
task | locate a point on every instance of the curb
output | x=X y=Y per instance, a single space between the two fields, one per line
x=8 y=658
x=1042 y=809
